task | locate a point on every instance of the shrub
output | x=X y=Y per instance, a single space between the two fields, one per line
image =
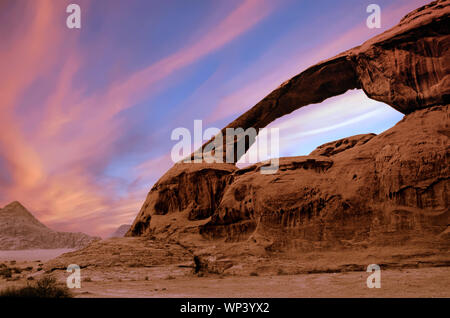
x=5 y=271
x=46 y=287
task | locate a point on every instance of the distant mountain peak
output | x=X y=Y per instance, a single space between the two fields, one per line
x=19 y=229
x=15 y=211
x=14 y=204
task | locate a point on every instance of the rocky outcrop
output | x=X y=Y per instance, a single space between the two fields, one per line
x=195 y=188
x=408 y=67
x=386 y=188
x=19 y=229
x=364 y=187
x=335 y=147
x=125 y=253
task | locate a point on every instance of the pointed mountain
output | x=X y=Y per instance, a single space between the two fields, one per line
x=19 y=229
x=15 y=214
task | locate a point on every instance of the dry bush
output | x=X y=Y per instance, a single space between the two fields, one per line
x=46 y=287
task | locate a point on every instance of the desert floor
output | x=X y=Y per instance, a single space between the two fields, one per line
x=426 y=282
x=157 y=282
x=32 y=255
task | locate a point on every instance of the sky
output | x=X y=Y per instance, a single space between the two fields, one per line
x=86 y=115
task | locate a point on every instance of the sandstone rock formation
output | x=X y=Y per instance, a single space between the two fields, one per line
x=121 y=230
x=385 y=188
x=19 y=229
x=406 y=67
x=196 y=188
x=335 y=147
x=126 y=252
x=389 y=188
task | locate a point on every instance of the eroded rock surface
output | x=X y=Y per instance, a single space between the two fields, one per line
x=195 y=188
x=384 y=188
x=408 y=67
x=122 y=252
x=335 y=147
x=389 y=188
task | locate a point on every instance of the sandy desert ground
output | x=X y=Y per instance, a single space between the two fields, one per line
x=421 y=282
x=406 y=272
x=31 y=255
x=427 y=282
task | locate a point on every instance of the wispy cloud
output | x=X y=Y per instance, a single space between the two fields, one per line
x=59 y=132
x=245 y=97
x=56 y=159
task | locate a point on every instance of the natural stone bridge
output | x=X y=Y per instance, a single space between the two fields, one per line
x=352 y=189
x=407 y=67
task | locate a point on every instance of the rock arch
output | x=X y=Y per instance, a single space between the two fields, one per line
x=406 y=67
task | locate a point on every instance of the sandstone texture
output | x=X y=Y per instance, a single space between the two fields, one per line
x=123 y=252
x=195 y=188
x=20 y=230
x=386 y=189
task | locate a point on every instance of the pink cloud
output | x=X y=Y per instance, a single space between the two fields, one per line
x=50 y=165
x=247 y=96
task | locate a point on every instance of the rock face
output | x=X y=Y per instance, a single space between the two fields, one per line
x=121 y=230
x=195 y=188
x=19 y=229
x=408 y=67
x=386 y=188
x=392 y=187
